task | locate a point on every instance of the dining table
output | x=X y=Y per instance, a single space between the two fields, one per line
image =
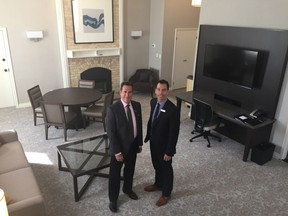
x=74 y=98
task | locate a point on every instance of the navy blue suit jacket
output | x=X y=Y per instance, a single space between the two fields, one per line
x=163 y=134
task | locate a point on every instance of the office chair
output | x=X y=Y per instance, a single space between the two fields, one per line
x=205 y=121
x=35 y=96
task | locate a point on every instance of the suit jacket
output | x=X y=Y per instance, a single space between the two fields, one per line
x=120 y=139
x=163 y=134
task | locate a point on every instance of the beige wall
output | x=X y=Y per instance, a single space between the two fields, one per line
x=78 y=65
x=33 y=63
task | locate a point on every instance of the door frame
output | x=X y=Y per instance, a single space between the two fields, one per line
x=174 y=51
x=10 y=68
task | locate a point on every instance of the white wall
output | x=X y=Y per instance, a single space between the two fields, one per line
x=254 y=13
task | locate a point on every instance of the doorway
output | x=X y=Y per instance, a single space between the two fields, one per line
x=8 y=93
x=184 y=56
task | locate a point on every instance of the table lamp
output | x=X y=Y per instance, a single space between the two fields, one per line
x=3 y=206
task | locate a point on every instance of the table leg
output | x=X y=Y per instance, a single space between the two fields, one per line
x=77 y=110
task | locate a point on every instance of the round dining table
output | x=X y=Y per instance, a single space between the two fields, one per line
x=74 y=98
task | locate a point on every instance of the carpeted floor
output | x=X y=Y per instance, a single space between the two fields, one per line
x=211 y=181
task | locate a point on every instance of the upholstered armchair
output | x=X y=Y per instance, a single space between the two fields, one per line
x=144 y=80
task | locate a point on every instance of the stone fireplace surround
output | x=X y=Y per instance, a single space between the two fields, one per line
x=78 y=65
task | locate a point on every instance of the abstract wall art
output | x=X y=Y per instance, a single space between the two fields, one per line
x=92 y=21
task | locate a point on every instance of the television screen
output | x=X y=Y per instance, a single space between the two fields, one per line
x=234 y=64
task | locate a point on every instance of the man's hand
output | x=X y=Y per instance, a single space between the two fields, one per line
x=119 y=157
x=167 y=157
x=139 y=149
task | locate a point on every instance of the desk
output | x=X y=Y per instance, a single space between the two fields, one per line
x=243 y=133
x=74 y=98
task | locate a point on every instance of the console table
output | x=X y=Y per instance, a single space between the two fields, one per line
x=245 y=134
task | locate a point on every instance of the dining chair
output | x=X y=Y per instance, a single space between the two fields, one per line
x=86 y=83
x=98 y=111
x=35 y=96
x=205 y=121
x=54 y=115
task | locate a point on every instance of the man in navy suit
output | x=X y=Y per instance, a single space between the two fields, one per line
x=124 y=129
x=162 y=131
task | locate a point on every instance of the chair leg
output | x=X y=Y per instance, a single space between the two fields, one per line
x=206 y=136
x=65 y=133
x=199 y=135
x=34 y=120
x=46 y=132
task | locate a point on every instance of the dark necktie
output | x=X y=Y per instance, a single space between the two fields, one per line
x=156 y=112
x=129 y=115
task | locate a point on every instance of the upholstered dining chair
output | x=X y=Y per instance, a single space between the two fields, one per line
x=205 y=121
x=98 y=111
x=144 y=80
x=86 y=83
x=35 y=96
x=54 y=115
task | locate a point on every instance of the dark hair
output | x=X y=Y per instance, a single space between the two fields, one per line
x=126 y=84
x=162 y=81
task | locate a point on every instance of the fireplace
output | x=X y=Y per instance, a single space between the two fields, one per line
x=101 y=76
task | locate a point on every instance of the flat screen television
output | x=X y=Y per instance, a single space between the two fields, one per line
x=237 y=65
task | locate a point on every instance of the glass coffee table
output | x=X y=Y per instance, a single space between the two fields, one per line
x=84 y=157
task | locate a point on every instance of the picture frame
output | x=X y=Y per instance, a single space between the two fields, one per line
x=92 y=21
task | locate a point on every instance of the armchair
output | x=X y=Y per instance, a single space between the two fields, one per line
x=144 y=80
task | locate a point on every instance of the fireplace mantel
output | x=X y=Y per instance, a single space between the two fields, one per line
x=85 y=53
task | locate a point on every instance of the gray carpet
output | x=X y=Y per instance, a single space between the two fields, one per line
x=211 y=181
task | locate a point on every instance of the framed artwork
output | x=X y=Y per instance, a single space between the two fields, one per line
x=92 y=21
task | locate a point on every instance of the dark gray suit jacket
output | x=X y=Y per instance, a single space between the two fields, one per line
x=120 y=138
x=163 y=134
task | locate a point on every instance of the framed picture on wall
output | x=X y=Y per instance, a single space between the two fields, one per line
x=92 y=21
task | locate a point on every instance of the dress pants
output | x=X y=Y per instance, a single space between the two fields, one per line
x=115 y=173
x=163 y=171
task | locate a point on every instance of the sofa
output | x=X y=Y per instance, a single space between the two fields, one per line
x=17 y=180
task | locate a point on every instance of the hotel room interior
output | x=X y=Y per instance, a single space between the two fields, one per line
x=38 y=42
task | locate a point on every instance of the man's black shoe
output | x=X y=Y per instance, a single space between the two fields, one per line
x=131 y=194
x=113 y=206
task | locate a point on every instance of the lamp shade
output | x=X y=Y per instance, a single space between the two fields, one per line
x=3 y=206
x=196 y=3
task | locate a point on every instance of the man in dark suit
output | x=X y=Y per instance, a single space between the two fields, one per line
x=124 y=129
x=162 y=131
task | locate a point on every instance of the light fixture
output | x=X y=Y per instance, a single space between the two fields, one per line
x=136 y=34
x=34 y=35
x=196 y=3
x=3 y=206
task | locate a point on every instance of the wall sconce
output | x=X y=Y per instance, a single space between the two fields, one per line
x=136 y=34
x=3 y=206
x=34 y=35
x=196 y=3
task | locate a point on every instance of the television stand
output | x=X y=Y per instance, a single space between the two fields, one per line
x=227 y=100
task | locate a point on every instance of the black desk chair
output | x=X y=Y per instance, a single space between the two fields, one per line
x=205 y=121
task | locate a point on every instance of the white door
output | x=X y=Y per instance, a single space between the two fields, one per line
x=184 y=56
x=7 y=86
